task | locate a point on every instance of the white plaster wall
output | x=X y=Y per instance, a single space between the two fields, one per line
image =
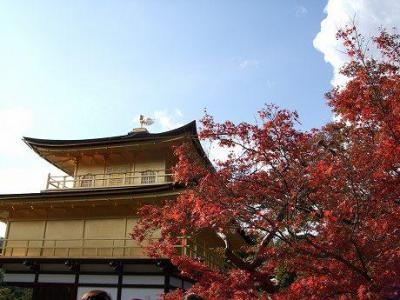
x=57 y=278
x=19 y=277
x=107 y=279
x=141 y=293
x=143 y=279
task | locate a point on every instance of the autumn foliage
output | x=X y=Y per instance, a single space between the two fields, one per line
x=320 y=210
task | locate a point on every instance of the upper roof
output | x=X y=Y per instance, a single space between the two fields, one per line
x=189 y=128
x=59 y=152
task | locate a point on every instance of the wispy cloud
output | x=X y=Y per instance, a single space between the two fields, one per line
x=168 y=120
x=301 y=11
x=178 y=112
x=270 y=83
x=249 y=63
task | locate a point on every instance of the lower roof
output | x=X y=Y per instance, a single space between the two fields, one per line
x=95 y=192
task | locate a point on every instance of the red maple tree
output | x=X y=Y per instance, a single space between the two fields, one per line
x=320 y=209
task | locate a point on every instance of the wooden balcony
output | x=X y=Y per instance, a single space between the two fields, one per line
x=149 y=177
x=98 y=248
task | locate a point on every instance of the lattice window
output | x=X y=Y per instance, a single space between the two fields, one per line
x=148 y=177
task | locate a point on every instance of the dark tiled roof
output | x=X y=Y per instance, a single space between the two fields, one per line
x=189 y=128
x=93 y=192
x=132 y=137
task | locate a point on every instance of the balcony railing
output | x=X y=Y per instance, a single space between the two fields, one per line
x=148 y=177
x=99 y=248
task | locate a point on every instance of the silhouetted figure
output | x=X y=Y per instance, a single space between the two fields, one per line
x=96 y=295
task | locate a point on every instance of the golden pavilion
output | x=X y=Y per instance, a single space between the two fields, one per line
x=74 y=236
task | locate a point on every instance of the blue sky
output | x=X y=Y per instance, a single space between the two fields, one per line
x=82 y=69
x=89 y=68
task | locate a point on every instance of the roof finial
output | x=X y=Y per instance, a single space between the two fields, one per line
x=145 y=121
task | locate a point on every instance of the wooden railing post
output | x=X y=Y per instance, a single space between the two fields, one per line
x=48 y=181
x=83 y=247
x=111 y=179
x=188 y=246
x=26 y=247
x=124 y=251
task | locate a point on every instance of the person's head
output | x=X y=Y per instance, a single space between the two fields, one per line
x=96 y=295
x=193 y=296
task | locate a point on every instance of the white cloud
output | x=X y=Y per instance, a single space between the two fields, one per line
x=167 y=120
x=214 y=151
x=164 y=119
x=301 y=11
x=21 y=170
x=15 y=122
x=29 y=179
x=249 y=63
x=369 y=15
x=217 y=153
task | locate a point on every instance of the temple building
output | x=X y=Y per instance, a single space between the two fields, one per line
x=74 y=236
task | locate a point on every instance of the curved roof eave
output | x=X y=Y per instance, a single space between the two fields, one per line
x=93 y=192
x=189 y=128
